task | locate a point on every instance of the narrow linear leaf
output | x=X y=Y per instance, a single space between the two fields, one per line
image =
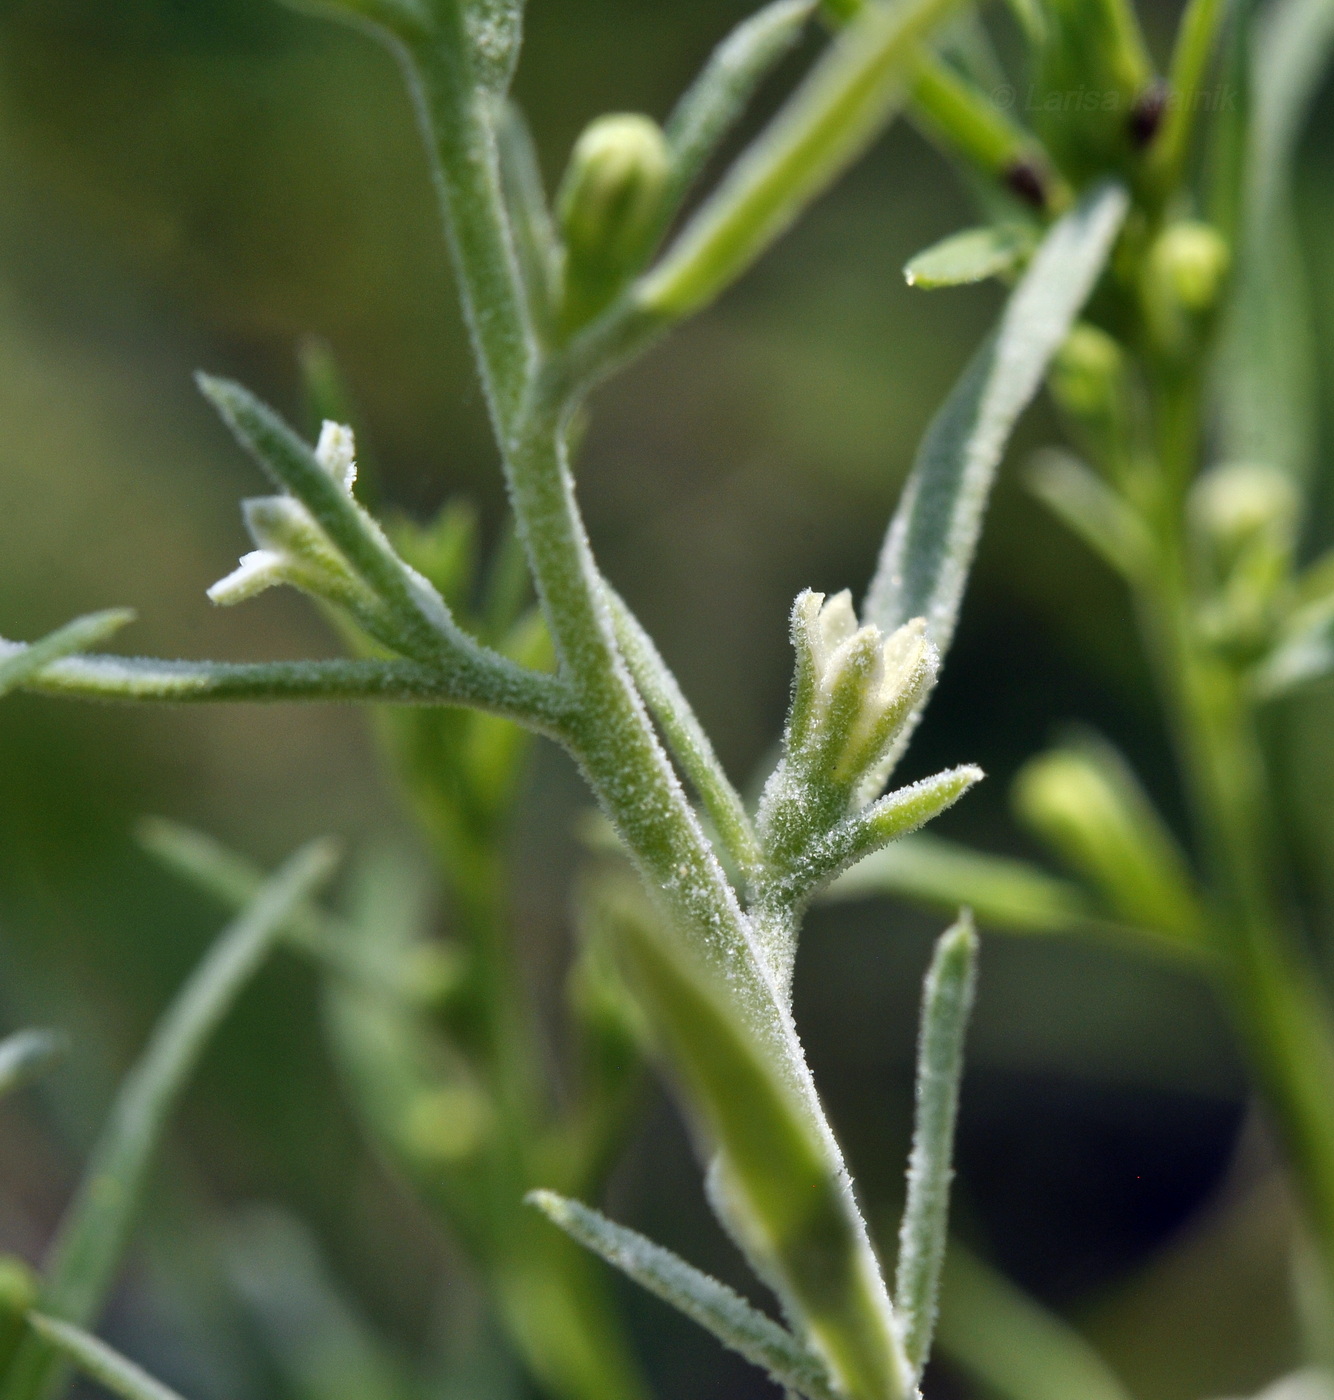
x=778 y=1186
x=970 y=256
x=26 y=1054
x=947 y=1003
x=19 y=663
x=102 y=1363
x=94 y=1229
x=997 y=1334
x=928 y=552
x=479 y=680
x=704 y=1300
x=686 y=737
x=894 y=816
x=1002 y=892
x=836 y=113
x=1101 y=518
x=323 y=1347
x=330 y=941
x=1268 y=385
x=716 y=99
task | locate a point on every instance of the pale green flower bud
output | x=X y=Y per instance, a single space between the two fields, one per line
x=444 y=1126
x=1085 y=802
x=1183 y=278
x=1238 y=505
x=1191 y=259
x=1088 y=375
x=855 y=689
x=609 y=207
x=1244 y=518
x=291 y=547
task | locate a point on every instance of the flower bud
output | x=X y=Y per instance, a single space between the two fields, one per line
x=1190 y=260
x=1088 y=373
x=445 y=1125
x=1241 y=505
x=609 y=208
x=292 y=548
x=1087 y=805
x=1183 y=277
x=1244 y=518
x=862 y=686
x=18 y=1292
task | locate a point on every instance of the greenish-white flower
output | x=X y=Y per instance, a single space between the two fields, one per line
x=290 y=545
x=855 y=690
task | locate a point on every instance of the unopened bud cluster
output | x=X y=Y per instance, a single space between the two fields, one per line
x=854 y=692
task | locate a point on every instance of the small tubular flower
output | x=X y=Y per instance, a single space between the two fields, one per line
x=290 y=546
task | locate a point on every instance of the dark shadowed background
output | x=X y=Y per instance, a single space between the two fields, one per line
x=201 y=183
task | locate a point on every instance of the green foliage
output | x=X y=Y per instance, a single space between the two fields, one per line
x=688 y=941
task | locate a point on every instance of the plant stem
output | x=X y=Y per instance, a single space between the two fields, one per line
x=457 y=123
x=1265 y=979
x=610 y=732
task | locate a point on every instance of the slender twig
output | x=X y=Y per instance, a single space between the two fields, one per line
x=483 y=681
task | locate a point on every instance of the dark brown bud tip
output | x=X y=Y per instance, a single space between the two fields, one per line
x=1024 y=178
x=1146 y=116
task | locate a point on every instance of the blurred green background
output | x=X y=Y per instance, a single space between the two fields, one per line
x=201 y=183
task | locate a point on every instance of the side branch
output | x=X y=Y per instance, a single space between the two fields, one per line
x=533 y=699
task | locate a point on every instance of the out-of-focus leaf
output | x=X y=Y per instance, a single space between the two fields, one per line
x=851 y=94
x=1002 y=892
x=924 y=564
x=323 y=1347
x=437 y=1121
x=1300 y=659
x=1086 y=803
x=94 y=1358
x=704 y=1300
x=93 y=1232
x=1310 y=1384
x=1268 y=386
x=1009 y=1342
x=970 y=256
x=716 y=99
x=26 y=1054
x=1095 y=512
x=774 y=1181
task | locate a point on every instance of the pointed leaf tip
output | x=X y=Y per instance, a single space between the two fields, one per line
x=19 y=664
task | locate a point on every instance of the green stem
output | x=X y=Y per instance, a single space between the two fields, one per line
x=1197 y=37
x=457 y=123
x=1265 y=979
x=475 y=678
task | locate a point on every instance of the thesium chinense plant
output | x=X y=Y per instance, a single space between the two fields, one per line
x=1143 y=231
